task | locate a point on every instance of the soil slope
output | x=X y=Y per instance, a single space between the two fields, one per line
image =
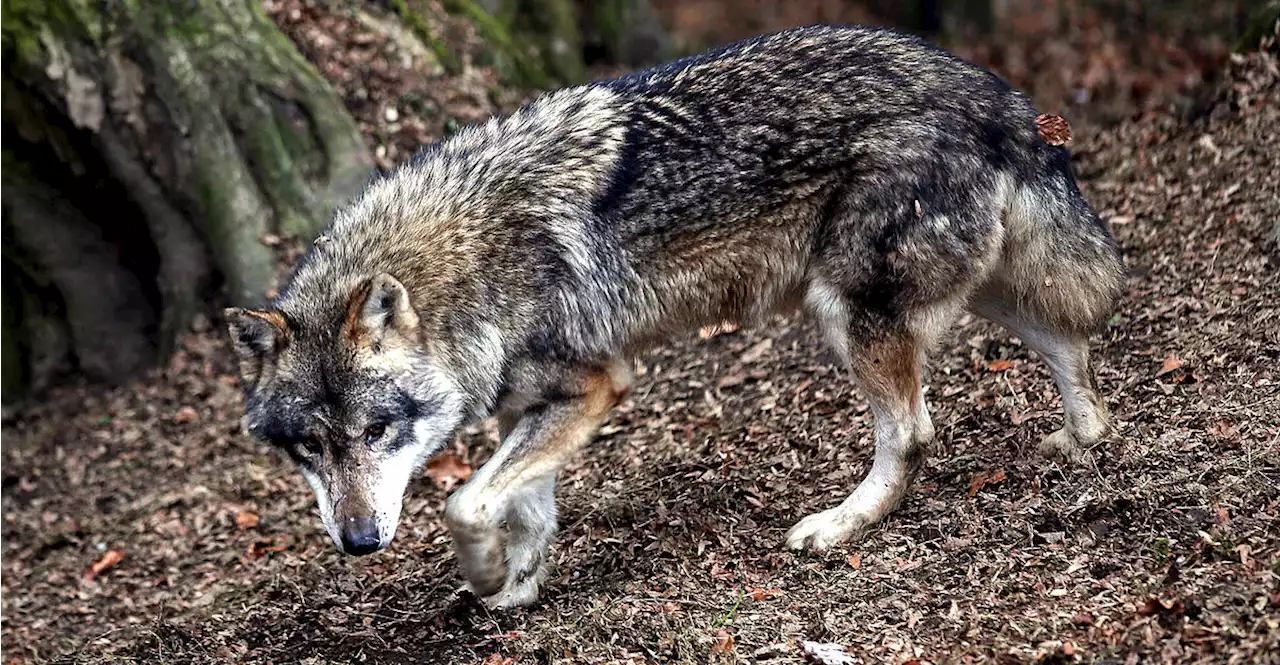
x=1165 y=549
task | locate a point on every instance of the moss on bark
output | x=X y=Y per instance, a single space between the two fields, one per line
x=1262 y=23
x=422 y=30
x=201 y=113
x=522 y=67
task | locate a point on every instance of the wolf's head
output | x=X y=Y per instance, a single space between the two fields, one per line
x=352 y=395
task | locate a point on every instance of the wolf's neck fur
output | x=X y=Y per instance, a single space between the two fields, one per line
x=472 y=225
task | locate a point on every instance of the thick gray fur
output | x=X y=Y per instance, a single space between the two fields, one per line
x=516 y=269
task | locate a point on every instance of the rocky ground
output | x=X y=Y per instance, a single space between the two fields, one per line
x=141 y=526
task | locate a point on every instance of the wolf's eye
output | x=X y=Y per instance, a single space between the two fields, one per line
x=374 y=432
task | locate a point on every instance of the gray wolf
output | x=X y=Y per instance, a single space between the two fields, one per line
x=515 y=270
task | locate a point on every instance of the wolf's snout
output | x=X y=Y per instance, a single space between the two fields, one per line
x=360 y=535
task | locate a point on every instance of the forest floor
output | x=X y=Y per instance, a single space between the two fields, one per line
x=141 y=526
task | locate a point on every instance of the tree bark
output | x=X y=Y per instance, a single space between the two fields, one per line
x=164 y=141
x=1263 y=22
x=625 y=32
x=542 y=44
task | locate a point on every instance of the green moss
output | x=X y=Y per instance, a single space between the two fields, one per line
x=448 y=59
x=277 y=174
x=552 y=25
x=1161 y=550
x=524 y=70
x=1261 y=23
x=23 y=21
x=608 y=20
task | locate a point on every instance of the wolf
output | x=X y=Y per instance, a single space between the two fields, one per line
x=515 y=271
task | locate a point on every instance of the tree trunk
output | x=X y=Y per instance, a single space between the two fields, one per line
x=542 y=44
x=159 y=143
x=1263 y=22
x=624 y=32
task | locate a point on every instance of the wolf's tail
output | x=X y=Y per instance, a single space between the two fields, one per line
x=1060 y=267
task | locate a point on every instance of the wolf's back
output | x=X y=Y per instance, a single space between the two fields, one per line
x=869 y=119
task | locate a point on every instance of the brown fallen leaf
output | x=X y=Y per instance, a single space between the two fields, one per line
x=496 y=658
x=731 y=380
x=186 y=415
x=1170 y=364
x=448 y=470
x=722 y=328
x=723 y=643
x=247 y=520
x=999 y=365
x=1166 y=611
x=759 y=593
x=757 y=352
x=1224 y=430
x=1243 y=550
x=855 y=560
x=1053 y=129
x=983 y=479
x=107 y=561
x=261 y=548
x=670 y=607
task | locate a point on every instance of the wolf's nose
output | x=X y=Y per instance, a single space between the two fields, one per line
x=360 y=535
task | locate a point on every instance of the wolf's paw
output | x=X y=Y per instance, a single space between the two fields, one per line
x=517 y=594
x=514 y=593
x=819 y=531
x=1062 y=446
x=485 y=577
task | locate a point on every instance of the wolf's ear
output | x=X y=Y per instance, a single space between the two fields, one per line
x=257 y=337
x=378 y=309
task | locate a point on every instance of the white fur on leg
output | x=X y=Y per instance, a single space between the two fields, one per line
x=923 y=431
x=531 y=524
x=819 y=531
x=874 y=497
x=825 y=303
x=473 y=521
x=1084 y=414
x=899 y=433
x=504 y=567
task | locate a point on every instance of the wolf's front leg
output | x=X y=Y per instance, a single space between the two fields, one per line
x=503 y=519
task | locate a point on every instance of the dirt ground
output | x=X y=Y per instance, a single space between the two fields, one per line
x=141 y=526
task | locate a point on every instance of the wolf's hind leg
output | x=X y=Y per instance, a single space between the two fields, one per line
x=1085 y=417
x=503 y=519
x=887 y=364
